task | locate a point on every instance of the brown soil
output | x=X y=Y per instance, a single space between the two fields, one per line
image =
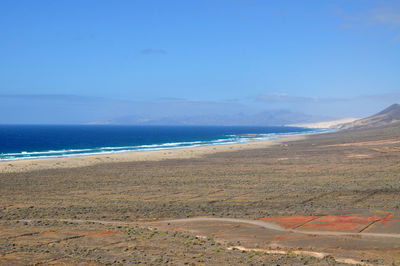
x=317 y=176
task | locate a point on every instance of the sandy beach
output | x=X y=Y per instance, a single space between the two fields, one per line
x=179 y=153
x=200 y=133
x=326 y=124
x=210 y=205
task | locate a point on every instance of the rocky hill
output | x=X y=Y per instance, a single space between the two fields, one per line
x=386 y=117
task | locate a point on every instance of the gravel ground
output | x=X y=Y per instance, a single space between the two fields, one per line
x=316 y=176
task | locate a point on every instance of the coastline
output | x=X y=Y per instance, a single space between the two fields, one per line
x=325 y=176
x=17 y=166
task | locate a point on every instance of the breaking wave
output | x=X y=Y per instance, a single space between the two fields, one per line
x=226 y=139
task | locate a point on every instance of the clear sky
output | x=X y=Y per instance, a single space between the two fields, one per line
x=257 y=54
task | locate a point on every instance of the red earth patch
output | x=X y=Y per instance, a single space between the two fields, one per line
x=346 y=223
x=289 y=222
x=350 y=223
x=389 y=224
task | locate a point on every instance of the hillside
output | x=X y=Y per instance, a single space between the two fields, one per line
x=386 y=117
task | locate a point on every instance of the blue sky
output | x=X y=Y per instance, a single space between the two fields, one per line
x=312 y=56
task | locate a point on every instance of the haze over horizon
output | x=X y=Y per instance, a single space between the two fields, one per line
x=67 y=62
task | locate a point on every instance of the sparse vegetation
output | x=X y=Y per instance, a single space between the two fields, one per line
x=292 y=179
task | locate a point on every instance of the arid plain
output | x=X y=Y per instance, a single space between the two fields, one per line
x=124 y=211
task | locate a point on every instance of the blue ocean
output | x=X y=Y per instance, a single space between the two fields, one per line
x=42 y=141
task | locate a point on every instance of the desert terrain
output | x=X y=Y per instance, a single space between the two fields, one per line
x=325 y=199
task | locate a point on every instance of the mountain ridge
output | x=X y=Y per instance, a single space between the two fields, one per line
x=389 y=115
x=266 y=118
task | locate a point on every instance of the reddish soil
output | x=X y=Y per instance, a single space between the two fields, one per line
x=290 y=184
x=340 y=223
x=348 y=223
x=289 y=222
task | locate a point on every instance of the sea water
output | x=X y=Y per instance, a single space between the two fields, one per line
x=50 y=141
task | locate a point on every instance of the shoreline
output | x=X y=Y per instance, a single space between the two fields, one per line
x=66 y=151
x=26 y=165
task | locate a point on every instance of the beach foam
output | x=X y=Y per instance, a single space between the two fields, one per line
x=76 y=152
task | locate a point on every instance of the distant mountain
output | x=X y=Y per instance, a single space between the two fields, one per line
x=267 y=118
x=388 y=116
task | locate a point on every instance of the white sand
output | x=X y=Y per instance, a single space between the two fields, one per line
x=327 y=124
x=181 y=153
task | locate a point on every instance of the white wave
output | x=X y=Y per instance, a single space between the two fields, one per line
x=230 y=139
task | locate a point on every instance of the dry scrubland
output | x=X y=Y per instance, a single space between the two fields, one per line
x=337 y=173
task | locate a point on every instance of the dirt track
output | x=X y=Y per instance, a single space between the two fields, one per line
x=322 y=176
x=208 y=226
